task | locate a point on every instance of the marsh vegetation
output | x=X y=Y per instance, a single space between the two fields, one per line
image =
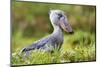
x=30 y=22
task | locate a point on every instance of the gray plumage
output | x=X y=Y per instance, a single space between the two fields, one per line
x=55 y=40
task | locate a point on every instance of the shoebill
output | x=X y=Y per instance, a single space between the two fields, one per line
x=59 y=22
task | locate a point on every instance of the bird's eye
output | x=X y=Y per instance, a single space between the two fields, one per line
x=60 y=15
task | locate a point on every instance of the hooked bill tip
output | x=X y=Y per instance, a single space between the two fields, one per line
x=71 y=32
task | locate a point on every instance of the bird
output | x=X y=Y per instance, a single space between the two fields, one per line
x=55 y=40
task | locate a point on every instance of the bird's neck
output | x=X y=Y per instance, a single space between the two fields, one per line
x=58 y=34
x=57 y=31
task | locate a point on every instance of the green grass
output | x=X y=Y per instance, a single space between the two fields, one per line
x=76 y=48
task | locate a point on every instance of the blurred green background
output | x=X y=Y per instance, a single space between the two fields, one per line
x=30 y=22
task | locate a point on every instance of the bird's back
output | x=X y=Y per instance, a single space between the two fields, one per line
x=47 y=43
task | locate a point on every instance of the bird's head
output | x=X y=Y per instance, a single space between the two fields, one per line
x=58 y=18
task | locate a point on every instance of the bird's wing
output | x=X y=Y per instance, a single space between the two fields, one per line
x=37 y=44
x=41 y=43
